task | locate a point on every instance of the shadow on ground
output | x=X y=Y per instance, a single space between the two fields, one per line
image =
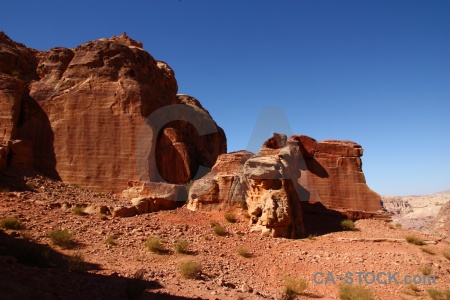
x=34 y=271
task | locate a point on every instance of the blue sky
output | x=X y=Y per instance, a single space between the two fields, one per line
x=375 y=72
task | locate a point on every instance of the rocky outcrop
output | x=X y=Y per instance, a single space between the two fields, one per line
x=289 y=184
x=441 y=225
x=225 y=186
x=102 y=114
x=396 y=205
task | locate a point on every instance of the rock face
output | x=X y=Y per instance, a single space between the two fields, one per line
x=224 y=186
x=289 y=184
x=441 y=224
x=102 y=114
x=396 y=205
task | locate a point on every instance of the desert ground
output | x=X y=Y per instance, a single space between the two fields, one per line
x=108 y=257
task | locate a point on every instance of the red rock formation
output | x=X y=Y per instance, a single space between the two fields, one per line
x=441 y=225
x=84 y=111
x=291 y=184
x=333 y=175
x=225 y=186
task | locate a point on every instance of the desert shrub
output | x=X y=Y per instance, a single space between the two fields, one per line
x=428 y=250
x=136 y=285
x=76 y=263
x=244 y=252
x=293 y=287
x=414 y=240
x=181 y=246
x=26 y=235
x=10 y=223
x=414 y=288
x=78 y=210
x=312 y=237
x=230 y=217
x=213 y=223
x=243 y=205
x=398 y=225
x=436 y=294
x=426 y=269
x=354 y=292
x=348 y=225
x=220 y=230
x=32 y=185
x=111 y=240
x=154 y=245
x=27 y=253
x=61 y=237
x=190 y=269
x=446 y=254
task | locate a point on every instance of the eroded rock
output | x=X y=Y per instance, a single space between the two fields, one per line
x=90 y=115
x=289 y=184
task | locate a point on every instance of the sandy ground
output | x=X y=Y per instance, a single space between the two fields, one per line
x=376 y=246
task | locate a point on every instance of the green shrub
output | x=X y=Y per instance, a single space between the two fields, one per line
x=294 y=287
x=348 y=225
x=154 y=245
x=111 y=240
x=436 y=294
x=244 y=252
x=220 y=230
x=76 y=263
x=354 y=292
x=312 y=237
x=61 y=237
x=428 y=250
x=414 y=288
x=78 y=210
x=414 y=240
x=213 y=223
x=181 y=246
x=190 y=269
x=426 y=269
x=32 y=185
x=243 y=205
x=230 y=217
x=10 y=223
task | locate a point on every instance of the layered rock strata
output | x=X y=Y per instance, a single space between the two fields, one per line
x=101 y=114
x=288 y=184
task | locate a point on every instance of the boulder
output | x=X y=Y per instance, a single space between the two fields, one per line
x=104 y=113
x=224 y=187
x=149 y=197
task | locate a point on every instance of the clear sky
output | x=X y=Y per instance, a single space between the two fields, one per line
x=374 y=72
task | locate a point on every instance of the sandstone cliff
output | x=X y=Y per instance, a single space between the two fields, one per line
x=100 y=115
x=292 y=187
